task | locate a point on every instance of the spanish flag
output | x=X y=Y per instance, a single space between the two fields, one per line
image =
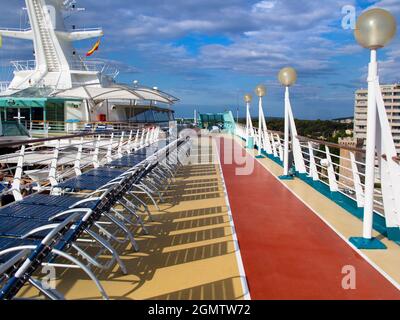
x=95 y=48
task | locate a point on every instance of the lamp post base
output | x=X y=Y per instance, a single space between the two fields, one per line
x=286 y=177
x=250 y=143
x=368 y=244
x=393 y=233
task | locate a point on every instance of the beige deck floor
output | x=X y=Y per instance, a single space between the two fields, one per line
x=189 y=254
x=345 y=224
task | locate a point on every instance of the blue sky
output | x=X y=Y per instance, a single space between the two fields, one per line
x=209 y=53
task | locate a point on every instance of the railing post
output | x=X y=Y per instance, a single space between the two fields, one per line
x=256 y=137
x=146 y=141
x=121 y=142
x=156 y=133
x=154 y=138
x=151 y=134
x=267 y=141
x=16 y=186
x=142 y=137
x=280 y=148
x=313 y=166
x=331 y=172
x=47 y=129
x=274 y=150
x=129 y=145
x=96 y=162
x=357 y=181
x=137 y=139
x=53 y=165
x=109 y=149
x=77 y=166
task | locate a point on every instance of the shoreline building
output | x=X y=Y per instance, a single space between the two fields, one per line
x=391 y=96
x=346 y=178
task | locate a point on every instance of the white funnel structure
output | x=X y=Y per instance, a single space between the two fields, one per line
x=56 y=63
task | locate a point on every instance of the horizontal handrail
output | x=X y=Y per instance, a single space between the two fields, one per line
x=95 y=66
x=88 y=122
x=15 y=29
x=330 y=144
x=85 y=29
x=23 y=65
x=39 y=166
x=32 y=141
x=4 y=85
x=342 y=173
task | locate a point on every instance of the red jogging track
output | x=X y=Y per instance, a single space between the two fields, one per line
x=288 y=251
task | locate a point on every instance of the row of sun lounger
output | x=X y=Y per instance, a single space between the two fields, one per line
x=97 y=209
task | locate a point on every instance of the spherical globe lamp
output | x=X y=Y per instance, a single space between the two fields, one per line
x=287 y=76
x=375 y=28
x=261 y=90
x=248 y=98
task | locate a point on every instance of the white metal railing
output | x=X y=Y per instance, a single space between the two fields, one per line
x=85 y=29
x=340 y=168
x=81 y=65
x=48 y=128
x=16 y=29
x=24 y=65
x=4 y=85
x=41 y=164
x=101 y=67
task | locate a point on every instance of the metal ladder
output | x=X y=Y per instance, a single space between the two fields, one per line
x=53 y=64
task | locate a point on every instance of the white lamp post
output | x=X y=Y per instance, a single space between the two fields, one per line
x=375 y=28
x=263 y=139
x=287 y=77
x=249 y=123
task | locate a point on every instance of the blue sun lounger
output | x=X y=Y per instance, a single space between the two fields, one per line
x=42 y=227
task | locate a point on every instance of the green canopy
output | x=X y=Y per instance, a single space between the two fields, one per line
x=208 y=120
x=19 y=102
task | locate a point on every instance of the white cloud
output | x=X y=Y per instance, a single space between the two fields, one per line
x=263 y=6
x=261 y=36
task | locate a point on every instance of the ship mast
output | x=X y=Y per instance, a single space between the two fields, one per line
x=56 y=63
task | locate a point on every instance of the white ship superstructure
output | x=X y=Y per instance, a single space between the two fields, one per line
x=59 y=86
x=56 y=63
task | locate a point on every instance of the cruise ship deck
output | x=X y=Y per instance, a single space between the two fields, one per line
x=223 y=234
x=190 y=253
x=294 y=240
x=105 y=195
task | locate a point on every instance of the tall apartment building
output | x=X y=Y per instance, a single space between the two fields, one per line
x=391 y=96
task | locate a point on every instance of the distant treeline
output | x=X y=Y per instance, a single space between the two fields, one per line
x=327 y=130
